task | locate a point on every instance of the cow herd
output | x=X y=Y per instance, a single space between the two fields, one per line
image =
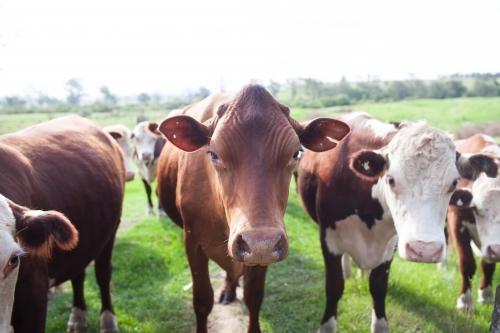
x=223 y=168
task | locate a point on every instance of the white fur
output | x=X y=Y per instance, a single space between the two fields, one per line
x=77 y=320
x=125 y=143
x=488 y=139
x=346 y=266
x=486 y=295
x=108 y=323
x=379 y=325
x=8 y=246
x=329 y=327
x=466 y=301
x=368 y=247
x=380 y=129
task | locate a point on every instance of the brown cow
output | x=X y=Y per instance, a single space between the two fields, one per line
x=473 y=222
x=231 y=192
x=69 y=165
x=37 y=232
x=377 y=182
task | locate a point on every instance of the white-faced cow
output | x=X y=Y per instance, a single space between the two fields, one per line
x=474 y=223
x=24 y=231
x=224 y=175
x=123 y=135
x=381 y=187
x=148 y=143
x=71 y=166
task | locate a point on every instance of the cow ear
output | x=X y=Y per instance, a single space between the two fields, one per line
x=322 y=134
x=461 y=198
x=185 y=132
x=153 y=128
x=116 y=135
x=37 y=231
x=471 y=165
x=369 y=164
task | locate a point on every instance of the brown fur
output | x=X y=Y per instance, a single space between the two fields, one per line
x=68 y=165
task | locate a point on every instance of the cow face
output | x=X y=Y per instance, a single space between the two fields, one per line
x=123 y=136
x=145 y=136
x=36 y=232
x=486 y=207
x=253 y=146
x=418 y=173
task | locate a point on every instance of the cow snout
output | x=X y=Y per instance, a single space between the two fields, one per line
x=424 y=251
x=146 y=156
x=259 y=248
x=129 y=176
x=493 y=252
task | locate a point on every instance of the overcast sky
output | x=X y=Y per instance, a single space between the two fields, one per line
x=171 y=46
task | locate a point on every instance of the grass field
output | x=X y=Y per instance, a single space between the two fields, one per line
x=150 y=267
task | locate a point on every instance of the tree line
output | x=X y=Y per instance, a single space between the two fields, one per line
x=295 y=92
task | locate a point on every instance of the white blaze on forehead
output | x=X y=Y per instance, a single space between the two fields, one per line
x=367 y=247
x=380 y=129
x=144 y=139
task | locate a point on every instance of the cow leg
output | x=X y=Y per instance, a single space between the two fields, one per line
x=253 y=293
x=466 y=261
x=103 y=272
x=149 y=209
x=228 y=292
x=334 y=289
x=379 y=278
x=78 y=319
x=485 y=289
x=203 y=293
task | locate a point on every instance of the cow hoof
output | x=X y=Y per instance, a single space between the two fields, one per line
x=465 y=302
x=329 y=327
x=226 y=298
x=77 y=320
x=379 y=325
x=149 y=211
x=486 y=295
x=108 y=323
x=161 y=213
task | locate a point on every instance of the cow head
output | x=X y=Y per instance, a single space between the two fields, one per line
x=417 y=173
x=123 y=136
x=253 y=145
x=146 y=136
x=24 y=231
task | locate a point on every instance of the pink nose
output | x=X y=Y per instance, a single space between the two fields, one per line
x=129 y=176
x=259 y=248
x=493 y=252
x=424 y=251
x=146 y=156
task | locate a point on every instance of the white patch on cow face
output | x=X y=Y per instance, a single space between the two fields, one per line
x=486 y=201
x=368 y=247
x=422 y=165
x=8 y=269
x=379 y=325
x=144 y=141
x=380 y=129
x=125 y=143
x=329 y=327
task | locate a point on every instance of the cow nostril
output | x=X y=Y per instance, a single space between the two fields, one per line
x=279 y=247
x=242 y=246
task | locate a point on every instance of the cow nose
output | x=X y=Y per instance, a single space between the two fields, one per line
x=259 y=248
x=424 y=251
x=493 y=252
x=129 y=176
x=146 y=156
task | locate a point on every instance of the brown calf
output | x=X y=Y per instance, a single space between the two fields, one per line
x=231 y=191
x=69 y=165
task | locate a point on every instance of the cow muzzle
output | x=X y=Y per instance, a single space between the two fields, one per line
x=424 y=251
x=129 y=175
x=493 y=253
x=259 y=247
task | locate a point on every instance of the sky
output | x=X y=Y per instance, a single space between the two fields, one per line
x=172 y=47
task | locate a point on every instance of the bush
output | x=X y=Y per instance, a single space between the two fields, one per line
x=337 y=100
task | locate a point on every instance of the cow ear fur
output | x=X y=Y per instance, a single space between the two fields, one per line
x=461 y=198
x=369 y=164
x=116 y=135
x=37 y=231
x=322 y=134
x=471 y=165
x=185 y=132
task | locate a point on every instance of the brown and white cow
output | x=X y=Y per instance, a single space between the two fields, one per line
x=474 y=223
x=68 y=165
x=148 y=143
x=381 y=187
x=224 y=175
x=25 y=231
x=123 y=135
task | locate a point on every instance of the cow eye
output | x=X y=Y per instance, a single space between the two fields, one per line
x=213 y=155
x=298 y=154
x=390 y=181
x=14 y=260
x=453 y=186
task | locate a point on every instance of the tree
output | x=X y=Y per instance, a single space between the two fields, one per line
x=274 y=87
x=75 y=91
x=143 y=98
x=108 y=97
